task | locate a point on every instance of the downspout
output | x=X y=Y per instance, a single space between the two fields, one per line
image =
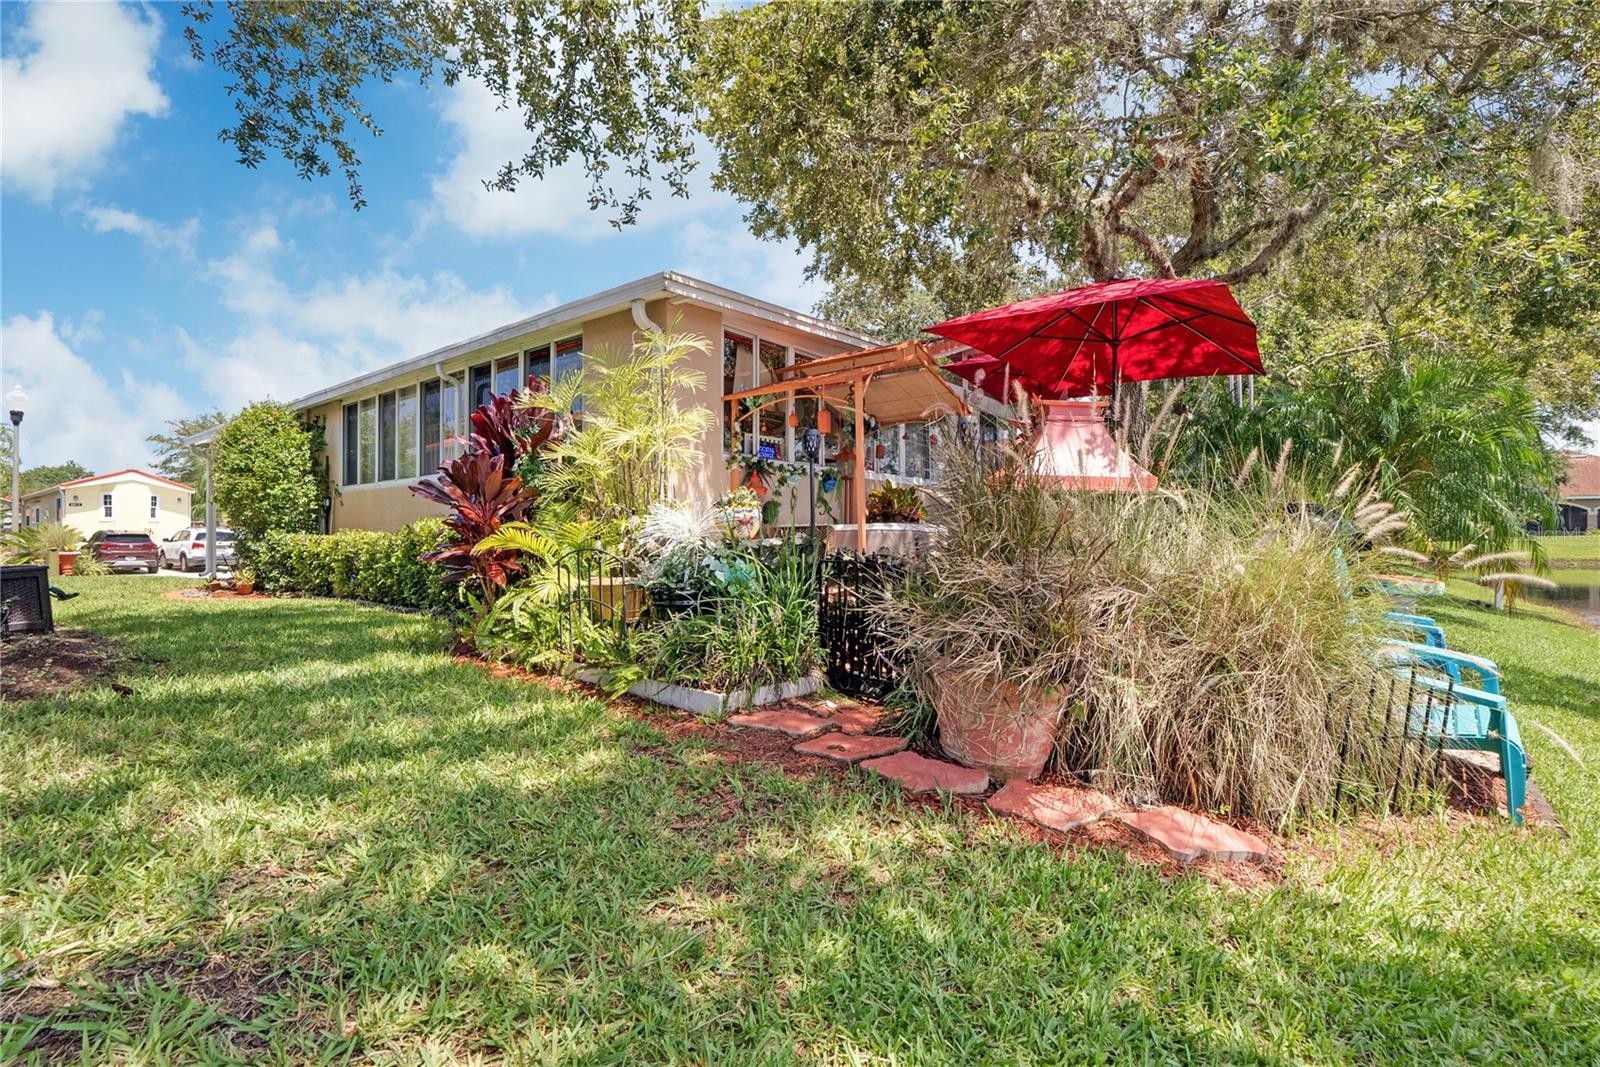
x=461 y=400
x=640 y=319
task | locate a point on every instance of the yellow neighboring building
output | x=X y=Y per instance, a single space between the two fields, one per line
x=133 y=501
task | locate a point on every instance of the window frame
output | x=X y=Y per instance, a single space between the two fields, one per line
x=454 y=388
x=108 y=505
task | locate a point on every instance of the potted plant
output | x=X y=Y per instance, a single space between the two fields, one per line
x=244 y=582
x=895 y=503
x=740 y=511
x=986 y=622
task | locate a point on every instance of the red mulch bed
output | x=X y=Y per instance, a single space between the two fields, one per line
x=213 y=594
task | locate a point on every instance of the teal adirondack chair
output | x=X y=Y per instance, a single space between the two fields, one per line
x=1478 y=719
x=1431 y=632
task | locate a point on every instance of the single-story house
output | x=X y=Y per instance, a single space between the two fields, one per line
x=387 y=428
x=1580 y=492
x=130 y=500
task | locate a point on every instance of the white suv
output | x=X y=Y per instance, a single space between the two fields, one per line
x=186 y=549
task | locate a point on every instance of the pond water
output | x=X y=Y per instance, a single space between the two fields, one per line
x=1579 y=589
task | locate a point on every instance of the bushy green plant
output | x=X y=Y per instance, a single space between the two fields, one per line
x=264 y=475
x=384 y=568
x=32 y=543
x=1201 y=643
x=624 y=431
x=762 y=630
x=895 y=503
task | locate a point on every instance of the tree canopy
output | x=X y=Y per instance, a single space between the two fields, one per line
x=46 y=475
x=264 y=474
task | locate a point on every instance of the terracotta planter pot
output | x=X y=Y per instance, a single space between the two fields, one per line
x=244 y=588
x=68 y=560
x=996 y=726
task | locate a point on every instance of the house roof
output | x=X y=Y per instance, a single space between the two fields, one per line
x=1583 y=475
x=663 y=284
x=114 y=476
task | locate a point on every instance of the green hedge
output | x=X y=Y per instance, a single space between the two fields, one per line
x=357 y=564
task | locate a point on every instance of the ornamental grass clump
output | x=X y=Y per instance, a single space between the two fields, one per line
x=1204 y=646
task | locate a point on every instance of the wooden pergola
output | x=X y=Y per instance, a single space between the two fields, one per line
x=891 y=384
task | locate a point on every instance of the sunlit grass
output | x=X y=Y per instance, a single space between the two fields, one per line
x=309 y=835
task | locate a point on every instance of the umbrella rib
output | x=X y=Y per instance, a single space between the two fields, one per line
x=1186 y=324
x=1204 y=310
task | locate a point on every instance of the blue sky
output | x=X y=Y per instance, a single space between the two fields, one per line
x=147 y=275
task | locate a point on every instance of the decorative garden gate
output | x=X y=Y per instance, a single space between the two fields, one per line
x=858 y=660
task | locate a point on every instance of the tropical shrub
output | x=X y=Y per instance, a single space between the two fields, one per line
x=384 y=568
x=1200 y=643
x=264 y=475
x=31 y=544
x=895 y=503
x=482 y=496
x=623 y=431
x=761 y=630
x=1455 y=442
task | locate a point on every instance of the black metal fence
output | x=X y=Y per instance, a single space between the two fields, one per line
x=598 y=598
x=858 y=659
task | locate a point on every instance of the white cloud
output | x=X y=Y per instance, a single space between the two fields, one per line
x=157 y=236
x=81 y=71
x=292 y=341
x=74 y=411
x=734 y=257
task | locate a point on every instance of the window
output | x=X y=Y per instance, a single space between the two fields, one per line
x=105 y=504
x=449 y=420
x=480 y=386
x=569 y=360
x=775 y=416
x=431 y=427
x=918 y=451
x=386 y=429
x=737 y=359
x=155 y=505
x=406 y=433
x=368 y=430
x=507 y=379
x=348 y=429
x=539 y=363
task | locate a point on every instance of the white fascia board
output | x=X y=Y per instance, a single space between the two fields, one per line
x=663 y=284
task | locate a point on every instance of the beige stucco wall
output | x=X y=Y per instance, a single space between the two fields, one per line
x=390 y=506
x=81 y=507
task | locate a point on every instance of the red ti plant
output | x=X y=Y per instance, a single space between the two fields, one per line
x=482 y=495
x=502 y=429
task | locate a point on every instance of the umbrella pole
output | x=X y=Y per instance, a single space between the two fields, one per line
x=1111 y=412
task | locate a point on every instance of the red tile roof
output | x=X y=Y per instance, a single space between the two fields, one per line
x=1583 y=475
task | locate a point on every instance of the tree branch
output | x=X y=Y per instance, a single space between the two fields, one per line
x=1295 y=221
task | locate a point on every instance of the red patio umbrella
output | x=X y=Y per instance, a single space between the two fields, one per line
x=1087 y=340
x=996 y=378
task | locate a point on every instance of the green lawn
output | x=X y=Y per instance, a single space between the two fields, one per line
x=308 y=835
x=1584 y=547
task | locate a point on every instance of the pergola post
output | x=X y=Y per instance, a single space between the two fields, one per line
x=858 y=489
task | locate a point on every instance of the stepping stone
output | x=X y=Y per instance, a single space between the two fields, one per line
x=850 y=748
x=784 y=721
x=919 y=774
x=1190 y=836
x=857 y=719
x=1057 y=807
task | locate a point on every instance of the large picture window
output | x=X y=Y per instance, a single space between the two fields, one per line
x=406 y=432
x=432 y=428
x=368 y=431
x=347 y=431
x=507 y=376
x=738 y=357
x=480 y=386
x=386 y=438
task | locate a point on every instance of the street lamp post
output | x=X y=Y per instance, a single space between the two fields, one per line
x=16 y=403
